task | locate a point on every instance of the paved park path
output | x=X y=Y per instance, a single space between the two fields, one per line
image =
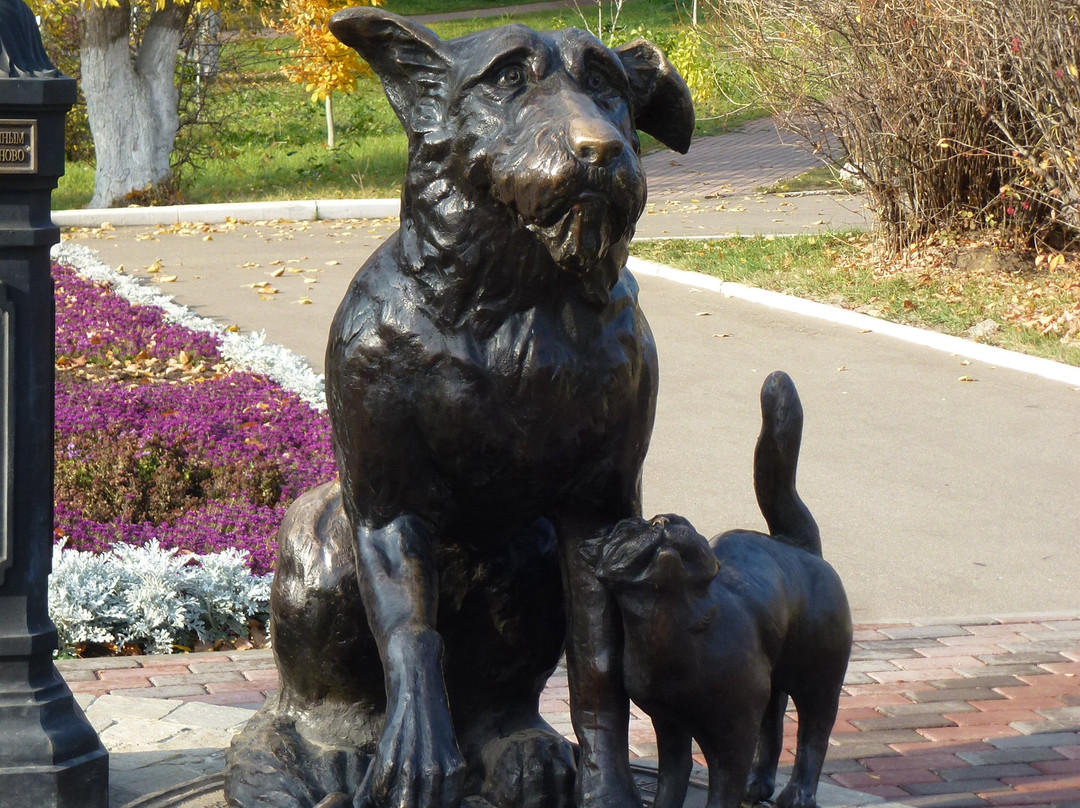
x=936 y=498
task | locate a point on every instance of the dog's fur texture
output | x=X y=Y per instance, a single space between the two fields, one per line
x=491 y=383
x=716 y=638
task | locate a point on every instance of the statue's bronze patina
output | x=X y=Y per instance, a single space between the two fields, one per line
x=717 y=637
x=491 y=383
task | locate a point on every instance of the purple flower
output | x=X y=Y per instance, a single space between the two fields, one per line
x=199 y=464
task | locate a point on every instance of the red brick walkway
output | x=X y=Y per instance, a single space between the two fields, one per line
x=947 y=714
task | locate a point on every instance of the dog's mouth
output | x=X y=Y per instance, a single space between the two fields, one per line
x=585 y=233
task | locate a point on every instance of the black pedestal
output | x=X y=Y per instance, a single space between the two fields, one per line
x=49 y=753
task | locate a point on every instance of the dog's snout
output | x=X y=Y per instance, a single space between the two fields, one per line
x=594 y=141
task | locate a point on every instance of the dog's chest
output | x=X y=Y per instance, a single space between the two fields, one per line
x=537 y=394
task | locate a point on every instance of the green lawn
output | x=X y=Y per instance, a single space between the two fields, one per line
x=834 y=268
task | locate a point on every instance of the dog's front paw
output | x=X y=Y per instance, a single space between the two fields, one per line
x=531 y=768
x=604 y=788
x=759 y=787
x=417 y=763
x=795 y=795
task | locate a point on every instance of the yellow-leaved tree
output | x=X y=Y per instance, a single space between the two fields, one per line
x=318 y=60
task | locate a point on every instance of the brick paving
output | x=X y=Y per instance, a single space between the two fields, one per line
x=939 y=714
x=753 y=156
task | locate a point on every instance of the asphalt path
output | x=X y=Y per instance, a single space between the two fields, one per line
x=936 y=496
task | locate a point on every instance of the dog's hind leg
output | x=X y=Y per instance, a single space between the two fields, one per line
x=776 y=458
x=675 y=763
x=762 y=781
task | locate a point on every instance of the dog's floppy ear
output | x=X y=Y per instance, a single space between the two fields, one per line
x=661 y=100
x=410 y=59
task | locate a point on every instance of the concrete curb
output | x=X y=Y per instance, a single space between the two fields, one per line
x=991 y=355
x=299 y=210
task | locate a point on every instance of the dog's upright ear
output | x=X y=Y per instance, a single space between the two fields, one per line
x=409 y=59
x=660 y=98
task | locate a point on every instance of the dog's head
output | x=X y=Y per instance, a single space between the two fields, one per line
x=541 y=124
x=662 y=554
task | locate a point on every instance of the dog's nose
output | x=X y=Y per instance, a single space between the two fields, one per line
x=594 y=140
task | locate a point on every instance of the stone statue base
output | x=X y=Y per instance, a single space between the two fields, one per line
x=207 y=792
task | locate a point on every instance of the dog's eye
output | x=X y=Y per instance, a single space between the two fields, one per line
x=595 y=81
x=511 y=77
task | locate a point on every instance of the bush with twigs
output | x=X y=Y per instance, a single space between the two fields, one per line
x=953 y=114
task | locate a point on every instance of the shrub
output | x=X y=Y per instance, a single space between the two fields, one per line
x=952 y=113
x=152 y=597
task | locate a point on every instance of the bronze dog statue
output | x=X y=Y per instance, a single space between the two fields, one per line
x=716 y=638
x=491 y=382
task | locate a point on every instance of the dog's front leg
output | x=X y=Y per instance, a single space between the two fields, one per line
x=417 y=763
x=599 y=706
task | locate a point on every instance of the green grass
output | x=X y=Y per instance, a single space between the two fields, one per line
x=820 y=178
x=74 y=188
x=827 y=268
x=267 y=139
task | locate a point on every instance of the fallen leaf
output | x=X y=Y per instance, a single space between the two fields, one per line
x=166 y=278
x=965 y=379
x=304 y=301
x=154 y=267
x=702 y=313
x=277 y=273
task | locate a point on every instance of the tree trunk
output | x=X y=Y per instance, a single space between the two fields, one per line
x=207 y=50
x=330 y=139
x=132 y=100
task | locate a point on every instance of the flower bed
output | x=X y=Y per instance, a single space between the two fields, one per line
x=164 y=443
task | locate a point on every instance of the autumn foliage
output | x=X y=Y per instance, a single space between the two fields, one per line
x=318 y=61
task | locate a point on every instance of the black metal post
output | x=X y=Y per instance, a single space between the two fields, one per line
x=49 y=753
